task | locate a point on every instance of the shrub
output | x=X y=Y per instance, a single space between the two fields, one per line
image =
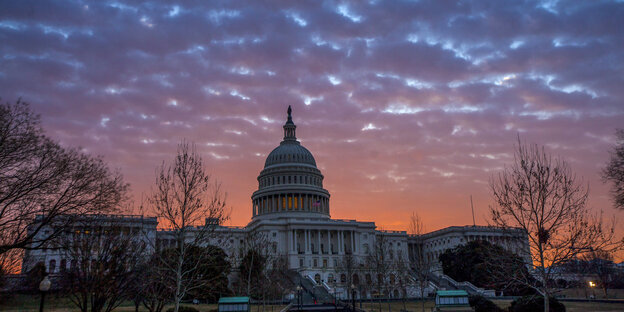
x=184 y=309
x=535 y=303
x=481 y=304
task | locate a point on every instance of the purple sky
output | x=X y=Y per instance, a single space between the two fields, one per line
x=407 y=106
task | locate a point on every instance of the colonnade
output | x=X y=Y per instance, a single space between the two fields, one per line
x=308 y=241
x=291 y=202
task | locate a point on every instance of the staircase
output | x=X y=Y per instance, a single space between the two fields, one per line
x=442 y=281
x=311 y=292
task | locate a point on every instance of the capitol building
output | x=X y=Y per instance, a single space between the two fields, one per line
x=292 y=210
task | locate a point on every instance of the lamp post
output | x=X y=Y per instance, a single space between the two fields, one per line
x=360 y=299
x=44 y=286
x=333 y=283
x=353 y=296
x=298 y=297
x=592 y=285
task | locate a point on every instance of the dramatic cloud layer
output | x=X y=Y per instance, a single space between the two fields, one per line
x=407 y=106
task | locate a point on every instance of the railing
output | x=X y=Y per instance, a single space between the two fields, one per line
x=326 y=286
x=466 y=286
x=286 y=308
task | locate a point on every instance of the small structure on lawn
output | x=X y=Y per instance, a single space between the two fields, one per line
x=452 y=300
x=234 y=304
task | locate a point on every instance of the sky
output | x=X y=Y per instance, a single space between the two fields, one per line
x=407 y=106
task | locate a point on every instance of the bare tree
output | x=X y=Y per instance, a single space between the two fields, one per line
x=104 y=255
x=380 y=265
x=41 y=183
x=182 y=198
x=347 y=266
x=420 y=264
x=154 y=289
x=401 y=269
x=614 y=172
x=601 y=264
x=541 y=195
x=254 y=256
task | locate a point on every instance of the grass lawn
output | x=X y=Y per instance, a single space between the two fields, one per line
x=53 y=303
x=570 y=306
x=30 y=303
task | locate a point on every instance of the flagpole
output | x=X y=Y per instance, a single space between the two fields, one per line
x=472 y=207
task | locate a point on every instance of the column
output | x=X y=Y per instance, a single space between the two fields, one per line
x=279 y=203
x=304 y=204
x=328 y=243
x=307 y=241
x=340 y=245
x=318 y=234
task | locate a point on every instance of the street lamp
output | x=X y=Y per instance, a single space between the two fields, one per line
x=592 y=285
x=353 y=296
x=44 y=286
x=333 y=283
x=298 y=297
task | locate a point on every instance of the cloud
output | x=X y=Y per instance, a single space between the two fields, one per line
x=427 y=97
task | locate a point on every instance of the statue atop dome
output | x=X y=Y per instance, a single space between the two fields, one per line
x=289 y=127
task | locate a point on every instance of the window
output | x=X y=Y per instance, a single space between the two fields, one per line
x=300 y=262
x=315 y=263
x=52 y=266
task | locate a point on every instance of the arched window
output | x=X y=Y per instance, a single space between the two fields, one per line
x=343 y=278
x=63 y=265
x=392 y=279
x=356 y=279
x=369 y=280
x=317 y=278
x=330 y=278
x=52 y=266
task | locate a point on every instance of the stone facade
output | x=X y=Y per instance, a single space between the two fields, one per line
x=292 y=210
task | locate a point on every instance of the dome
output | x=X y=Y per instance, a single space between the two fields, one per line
x=289 y=152
x=290 y=185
